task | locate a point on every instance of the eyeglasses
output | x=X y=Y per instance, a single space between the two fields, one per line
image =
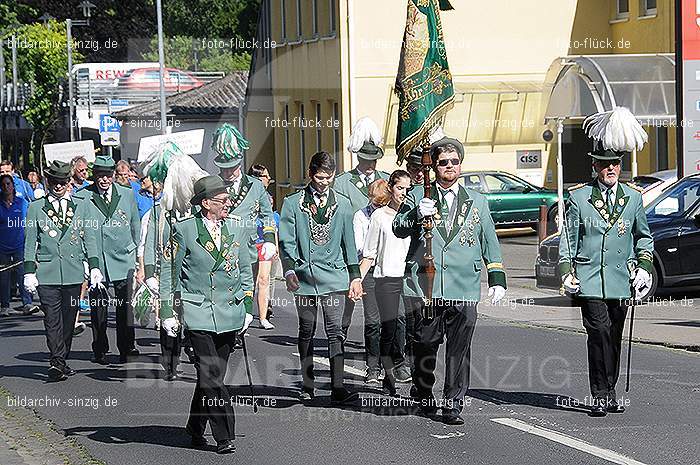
x=223 y=201
x=447 y=161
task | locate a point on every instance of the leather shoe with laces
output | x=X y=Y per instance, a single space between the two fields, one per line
x=226 y=447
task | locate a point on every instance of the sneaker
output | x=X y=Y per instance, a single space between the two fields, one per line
x=402 y=374
x=30 y=309
x=78 y=329
x=4 y=311
x=372 y=376
x=266 y=324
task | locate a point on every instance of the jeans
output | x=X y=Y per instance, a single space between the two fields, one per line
x=388 y=292
x=7 y=259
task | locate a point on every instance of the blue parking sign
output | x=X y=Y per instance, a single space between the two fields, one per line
x=109 y=124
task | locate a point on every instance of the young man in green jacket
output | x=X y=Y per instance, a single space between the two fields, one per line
x=53 y=264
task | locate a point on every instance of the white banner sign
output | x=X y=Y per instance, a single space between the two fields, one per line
x=190 y=142
x=66 y=151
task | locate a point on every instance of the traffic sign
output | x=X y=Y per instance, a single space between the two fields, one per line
x=109 y=124
x=109 y=138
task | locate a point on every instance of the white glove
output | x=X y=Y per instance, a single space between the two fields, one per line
x=426 y=207
x=30 y=282
x=152 y=284
x=571 y=284
x=247 y=322
x=171 y=326
x=496 y=293
x=268 y=250
x=641 y=281
x=96 y=278
x=86 y=271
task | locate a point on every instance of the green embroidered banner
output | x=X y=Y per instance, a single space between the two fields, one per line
x=424 y=81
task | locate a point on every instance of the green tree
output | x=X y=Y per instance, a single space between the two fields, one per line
x=43 y=63
x=181 y=52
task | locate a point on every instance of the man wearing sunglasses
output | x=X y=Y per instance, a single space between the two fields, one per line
x=464 y=235
x=111 y=226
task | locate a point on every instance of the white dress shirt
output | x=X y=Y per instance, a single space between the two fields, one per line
x=60 y=205
x=214 y=228
x=604 y=191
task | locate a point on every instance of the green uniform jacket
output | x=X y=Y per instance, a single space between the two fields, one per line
x=318 y=244
x=599 y=245
x=53 y=248
x=111 y=232
x=213 y=283
x=350 y=185
x=251 y=202
x=458 y=255
x=150 y=250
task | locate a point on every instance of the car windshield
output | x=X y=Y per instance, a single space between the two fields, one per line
x=504 y=183
x=677 y=200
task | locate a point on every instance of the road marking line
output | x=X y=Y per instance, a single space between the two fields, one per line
x=326 y=362
x=567 y=441
x=455 y=434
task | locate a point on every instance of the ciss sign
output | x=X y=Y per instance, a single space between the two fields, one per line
x=528 y=159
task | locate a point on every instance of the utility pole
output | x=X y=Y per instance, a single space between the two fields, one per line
x=161 y=62
x=71 y=101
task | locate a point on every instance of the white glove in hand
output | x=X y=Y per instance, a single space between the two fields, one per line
x=496 y=293
x=641 y=281
x=426 y=207
x=30 y=282
x=247 y=322
x=96 y=278
x=268 y=250
x=152 y=284
x=571 y=284
x=170 y=325
x=86 y=271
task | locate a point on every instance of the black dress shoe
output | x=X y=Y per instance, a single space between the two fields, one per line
x=613 y=407
x=68 y=371
x=171 y=376
x=133 y=352
x=197 y=440
x=226 y=447
x=306 y=396
x=99 y=359
x=189 y=351
x=56 y=374
x=598 y=410
x=343 y=396
x=452 y=417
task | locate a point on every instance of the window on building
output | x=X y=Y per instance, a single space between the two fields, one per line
x=319 y=130
x=299 y=16
x=283 y=14
x=314 y=17
x=623 y=8
x=287 y=159
x=331 y=9
x=302 y=139
x=336 y=131
x=648 y=7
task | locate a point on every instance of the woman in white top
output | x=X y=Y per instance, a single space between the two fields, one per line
x=388 y=255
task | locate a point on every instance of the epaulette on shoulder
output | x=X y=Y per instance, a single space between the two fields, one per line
x=635 y=187
x=577 y=186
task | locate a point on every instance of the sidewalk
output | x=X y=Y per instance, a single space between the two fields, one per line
x=665 y=321
x=27 y=439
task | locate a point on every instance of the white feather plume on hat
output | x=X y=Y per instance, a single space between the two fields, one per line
x=617 y=129
x=364 y=130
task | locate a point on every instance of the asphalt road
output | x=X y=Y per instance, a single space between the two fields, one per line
x=521 y=409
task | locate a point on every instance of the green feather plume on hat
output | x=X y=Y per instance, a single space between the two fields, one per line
x=229 y=143
x=159 y=161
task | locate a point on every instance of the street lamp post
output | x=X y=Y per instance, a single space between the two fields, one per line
x=161 y=64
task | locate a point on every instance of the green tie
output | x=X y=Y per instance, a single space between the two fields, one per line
x=610 y=203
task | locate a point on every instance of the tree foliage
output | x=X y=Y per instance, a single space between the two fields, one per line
x=187 y=53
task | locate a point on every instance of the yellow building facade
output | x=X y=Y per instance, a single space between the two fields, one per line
x=334 y=61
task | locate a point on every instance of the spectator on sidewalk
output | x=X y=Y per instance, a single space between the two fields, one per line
x=13 y=213
x=79 y=173
x=34 y=179
x=22 y=188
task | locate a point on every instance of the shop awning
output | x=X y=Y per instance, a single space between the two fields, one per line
x=577 y=86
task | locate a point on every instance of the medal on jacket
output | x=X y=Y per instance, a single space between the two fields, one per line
x=53 y=233
x=621 y=227
x=209 y=246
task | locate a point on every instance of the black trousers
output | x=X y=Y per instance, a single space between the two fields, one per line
x=99 y=303
x=372 y=325
x=212 y=401
x=332 y=306
x=388 y=292
x=60 y=305
x=604 y=321
x=455 y=323
x=169 y=351
x=412 y=307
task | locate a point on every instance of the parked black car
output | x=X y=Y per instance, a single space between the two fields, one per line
x=674 y=220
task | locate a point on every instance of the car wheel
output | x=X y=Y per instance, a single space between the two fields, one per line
x=552 y=215
x=654 y=285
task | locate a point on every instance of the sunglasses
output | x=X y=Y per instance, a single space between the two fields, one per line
x=447 y=161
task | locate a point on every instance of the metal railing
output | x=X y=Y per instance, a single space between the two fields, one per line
x=14 y=101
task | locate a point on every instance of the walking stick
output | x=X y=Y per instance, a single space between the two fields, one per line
x=247 y=369
x=629 y=344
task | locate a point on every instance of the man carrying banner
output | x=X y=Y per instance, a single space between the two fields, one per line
x=605 y=246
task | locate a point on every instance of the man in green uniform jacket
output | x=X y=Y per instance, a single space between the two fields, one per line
x=111 y=225
x=54 y=256
x=209 y=265
x=319 y=258
x=464 y=236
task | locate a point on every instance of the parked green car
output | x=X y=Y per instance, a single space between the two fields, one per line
x=513 y=201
